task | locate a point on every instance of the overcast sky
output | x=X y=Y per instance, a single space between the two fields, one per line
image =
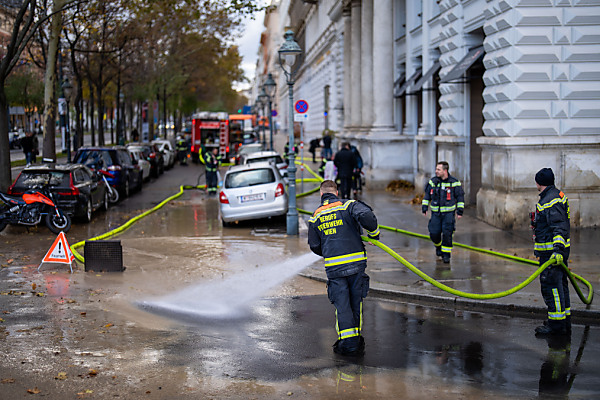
x=248 y=43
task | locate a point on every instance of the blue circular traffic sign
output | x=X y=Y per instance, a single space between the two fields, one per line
x=301 y=106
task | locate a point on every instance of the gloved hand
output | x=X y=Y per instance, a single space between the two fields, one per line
x=558 y=257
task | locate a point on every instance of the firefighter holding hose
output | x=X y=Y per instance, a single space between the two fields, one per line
x=334 y=233
x=553 y=241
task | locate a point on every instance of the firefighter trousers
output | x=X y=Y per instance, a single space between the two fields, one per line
x=555 y=291
x=441 y=228
x=346 y=294
x=211 y=181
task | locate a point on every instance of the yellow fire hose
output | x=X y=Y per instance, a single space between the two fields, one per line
x=572 y=277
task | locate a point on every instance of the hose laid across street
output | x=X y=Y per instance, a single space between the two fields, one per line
x=572 y=277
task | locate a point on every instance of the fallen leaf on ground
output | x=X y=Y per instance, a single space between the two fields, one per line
x=1 y=320
x=7 y=380
x=108 y=325
x=34 y=390
x=33 y=286
x=93 y=372
x=17 y=272
x=40 y=294
x=61 y=376
x=10 y=261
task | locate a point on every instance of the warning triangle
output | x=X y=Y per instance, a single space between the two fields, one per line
x=60 y=251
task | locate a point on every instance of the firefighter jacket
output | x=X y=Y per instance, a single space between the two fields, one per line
x=444 y=195
x=334 y=234
x=182 y=145
x=552 y=223
x=211 y=161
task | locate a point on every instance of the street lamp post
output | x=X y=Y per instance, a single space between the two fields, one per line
x=269 y=88
x=261 y=131
x=67 y=91
x=264 y=101
x=288 y=52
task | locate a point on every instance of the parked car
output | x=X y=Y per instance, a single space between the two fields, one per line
x=252 y=191
x=79 y=190
x=152 y=154
x=246 y=149
x=126 y=176
x=268 y=156
x=138 y=157
x=169 y=153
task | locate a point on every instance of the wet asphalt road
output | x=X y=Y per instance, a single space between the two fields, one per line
x=207 y=312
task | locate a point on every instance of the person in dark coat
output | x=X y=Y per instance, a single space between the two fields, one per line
x=27 y=144
x=345 y=163
x=326 y=152
x=314 y=144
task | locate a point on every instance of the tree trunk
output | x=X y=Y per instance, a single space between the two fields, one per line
x=91 y=115
x=5 y=172
x=50 y=101
x=100 y=113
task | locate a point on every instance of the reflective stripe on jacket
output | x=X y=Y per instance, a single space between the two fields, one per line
x=444 y=196
x=211 y=161
x=552 y=222
x=334 y=233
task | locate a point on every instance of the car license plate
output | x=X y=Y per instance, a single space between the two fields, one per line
x=252 y=197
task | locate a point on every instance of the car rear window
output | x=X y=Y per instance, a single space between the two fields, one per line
x=96 y=159
x=250 y=177
x=275 y=159
x=39 y=179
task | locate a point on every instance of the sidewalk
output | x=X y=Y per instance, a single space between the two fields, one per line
x=468 y=271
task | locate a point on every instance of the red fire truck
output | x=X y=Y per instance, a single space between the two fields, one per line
x=210 y=130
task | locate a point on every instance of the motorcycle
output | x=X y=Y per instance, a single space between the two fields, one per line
x=31 y=208
x=113 y=194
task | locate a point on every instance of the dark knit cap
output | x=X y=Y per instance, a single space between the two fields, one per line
x=545 y=177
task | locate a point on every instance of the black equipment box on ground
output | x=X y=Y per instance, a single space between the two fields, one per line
x=103 y=255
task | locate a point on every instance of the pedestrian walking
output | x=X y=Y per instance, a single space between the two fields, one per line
x=334 y=233
x=212 y=160
x=444 y=195
x=552 y=227
x=314 y=144
x=27 y=144
x=345 y=163
x=326 y=152
x=356 y=175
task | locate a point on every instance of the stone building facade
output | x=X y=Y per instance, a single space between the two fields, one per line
x=498 y=88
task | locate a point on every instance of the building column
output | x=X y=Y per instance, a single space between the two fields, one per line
x=366 y=61
x=347 y=69
x=355 y=67
x=426 y=146
x=383 y=58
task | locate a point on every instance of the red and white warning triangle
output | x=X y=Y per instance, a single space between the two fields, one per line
x=60 y=251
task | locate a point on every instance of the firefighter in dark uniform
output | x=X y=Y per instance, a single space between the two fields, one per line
x=211 y=160
x=182 y=150
x=553 y=241
x=443 y=195
x=334 y=233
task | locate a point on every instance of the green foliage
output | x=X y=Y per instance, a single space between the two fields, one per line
x=25 y=87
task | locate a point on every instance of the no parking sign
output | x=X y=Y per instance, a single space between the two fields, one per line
x=301 y=106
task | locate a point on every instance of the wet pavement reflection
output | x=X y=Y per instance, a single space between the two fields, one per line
x=205 y=311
